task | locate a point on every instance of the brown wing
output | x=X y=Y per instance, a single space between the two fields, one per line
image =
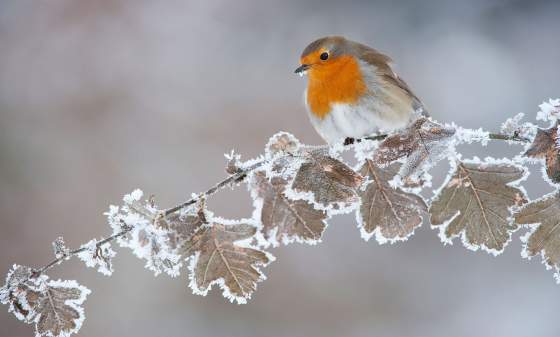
x=383 y=64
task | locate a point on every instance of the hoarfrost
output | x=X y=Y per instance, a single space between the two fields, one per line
x=54 y=307
x=549 y=111
x=99 y=256
x=147 y=241
x=60 y=249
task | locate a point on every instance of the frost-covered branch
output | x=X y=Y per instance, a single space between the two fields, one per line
x=296 y=189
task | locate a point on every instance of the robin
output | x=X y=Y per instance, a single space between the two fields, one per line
x=352 y=91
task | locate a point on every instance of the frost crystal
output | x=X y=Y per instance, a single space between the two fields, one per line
x=59 y=248
x=550 y=111
x=147 y=241
x=98 y=256
x=469 y=136
x=514 y=127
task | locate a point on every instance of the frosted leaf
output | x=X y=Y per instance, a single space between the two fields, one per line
x=55 y=307
x=327 y=182
x=544 y=146
x=59 y=248
x=17 y=275
x=59 y=310
x=549 y=111
x=282 y=143
x=17 y=294
x=21 y=292
x=476 y=202
x=422 y=144
x=285 y=220
x=390 y=213
x=218 y=258
x=182 y=227
x=544 y=217
x=147 y=241
x=99 y=256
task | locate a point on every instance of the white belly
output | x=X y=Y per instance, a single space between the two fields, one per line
x=357 y=121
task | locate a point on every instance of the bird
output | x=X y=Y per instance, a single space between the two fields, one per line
x=353 y=92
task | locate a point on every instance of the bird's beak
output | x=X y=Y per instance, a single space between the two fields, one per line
x=302 y=69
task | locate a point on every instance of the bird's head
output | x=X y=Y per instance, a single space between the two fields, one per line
x=324 y=56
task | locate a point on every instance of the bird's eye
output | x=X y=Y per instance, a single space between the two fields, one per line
x=324 y=56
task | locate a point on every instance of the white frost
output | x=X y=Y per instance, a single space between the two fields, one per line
x=549 y=111
x=99 y=257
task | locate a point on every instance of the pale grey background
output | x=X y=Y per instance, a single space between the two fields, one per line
x=100 y=97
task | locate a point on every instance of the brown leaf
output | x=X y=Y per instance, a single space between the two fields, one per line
x=545 y=145
x=293 y=219
x=59 y=309
x=182 y=227
x=394 y=212
x=330 y=181
x=220 y=260
x=421 y=143
x=545 y=238
x=53 y=306
x=476 y=204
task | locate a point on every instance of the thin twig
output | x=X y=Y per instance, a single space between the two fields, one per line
x=38 y=272
x=232 y=179
x=514 y=137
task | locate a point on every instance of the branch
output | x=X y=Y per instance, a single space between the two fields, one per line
x=230 y=180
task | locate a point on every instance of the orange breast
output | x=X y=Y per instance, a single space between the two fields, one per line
x=339 y=80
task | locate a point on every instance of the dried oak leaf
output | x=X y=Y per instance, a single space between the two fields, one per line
x=421 y=143
x=476 y=202
x=545 y=145
x=544 y=238
x=286 y=219
x=59 y=311
x=220 y=260
x=330 y=181
x=393 y=212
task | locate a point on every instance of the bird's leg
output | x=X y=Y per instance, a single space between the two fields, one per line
x=349 y=141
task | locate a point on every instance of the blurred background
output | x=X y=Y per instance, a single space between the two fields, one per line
x=100 y=97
